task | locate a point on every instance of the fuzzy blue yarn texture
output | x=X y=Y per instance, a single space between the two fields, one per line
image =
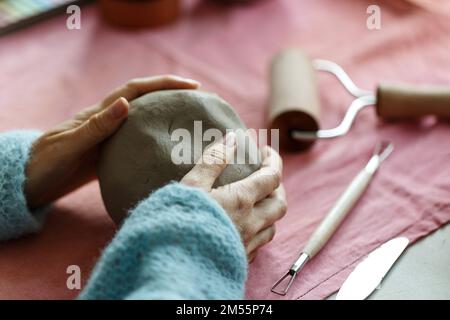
x=15 y=217
x=176 y=244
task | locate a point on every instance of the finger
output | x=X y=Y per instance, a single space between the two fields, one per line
x=261 y=239
x=264 y=181
x=252 y=256
x=279 y=193
x=101 y=125
x=140 y=86
x=212 y=163
x=271 y=159
x=266 y=212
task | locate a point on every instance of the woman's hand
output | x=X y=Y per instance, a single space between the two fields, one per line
x=65 y=157
x=255 y=203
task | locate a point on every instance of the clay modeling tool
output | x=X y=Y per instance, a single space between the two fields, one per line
x=334 y=217
x=392 y=101
x=295 y=108
x=294 y=101
x=368 y=274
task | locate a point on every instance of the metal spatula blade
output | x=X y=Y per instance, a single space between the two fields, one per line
x=368 y=274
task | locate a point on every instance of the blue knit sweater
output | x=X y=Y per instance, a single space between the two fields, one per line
x=176 y=244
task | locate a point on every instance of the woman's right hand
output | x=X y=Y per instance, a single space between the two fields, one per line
x=255 y=203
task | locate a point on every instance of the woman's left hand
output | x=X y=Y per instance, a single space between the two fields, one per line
x=65 y=158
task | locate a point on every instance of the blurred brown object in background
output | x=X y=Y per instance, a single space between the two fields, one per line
x=140 y=13
x=439 y=7
x=235 y=1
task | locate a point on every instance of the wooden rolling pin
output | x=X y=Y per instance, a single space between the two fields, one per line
x=406 y=101
x=294 y=101
x=393 y=101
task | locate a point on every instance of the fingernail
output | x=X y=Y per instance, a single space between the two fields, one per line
x=230 y=139
x=119 y=109
x=195 y=83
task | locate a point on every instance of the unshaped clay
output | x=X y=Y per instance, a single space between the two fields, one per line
x=137 y=159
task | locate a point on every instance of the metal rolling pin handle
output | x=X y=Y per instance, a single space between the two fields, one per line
x=392 y=101
x=364 y=99
x=335 y=216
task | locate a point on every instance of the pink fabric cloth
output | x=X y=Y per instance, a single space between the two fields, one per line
x=48 y=73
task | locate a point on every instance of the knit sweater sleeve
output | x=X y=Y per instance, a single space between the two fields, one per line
x=176 y=244
x=15 y=217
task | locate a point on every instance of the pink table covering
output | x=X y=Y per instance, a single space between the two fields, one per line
x=47 y=73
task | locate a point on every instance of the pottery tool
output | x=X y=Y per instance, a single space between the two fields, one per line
x=335 y=216
x=295 y=107
x=369 y=273
x=16 y=14
x=294 y=101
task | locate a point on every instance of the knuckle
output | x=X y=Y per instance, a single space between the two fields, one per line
x=95 y=125
x=244 y=203
x=131 y=84
x=282 y=207
x=259 y=183
x=215 y=156
x=274 y=176
x=191 y=180
x=269 y=178
x=248 y=231
x=272 y=231
x=212 y=162
x=227 y=196
x=244 y=236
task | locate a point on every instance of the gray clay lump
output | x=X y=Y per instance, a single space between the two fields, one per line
x=137 y=159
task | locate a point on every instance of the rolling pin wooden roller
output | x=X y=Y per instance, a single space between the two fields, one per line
x=294 y=101
x=335 y=216
x=295 y=108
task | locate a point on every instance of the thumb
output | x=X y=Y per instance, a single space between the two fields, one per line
x=212 y=163
x=102 y=124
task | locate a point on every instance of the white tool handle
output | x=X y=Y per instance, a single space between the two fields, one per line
x=340 y=210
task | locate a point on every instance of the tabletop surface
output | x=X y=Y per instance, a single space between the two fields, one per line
x=48 y=73
x=421 y=272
